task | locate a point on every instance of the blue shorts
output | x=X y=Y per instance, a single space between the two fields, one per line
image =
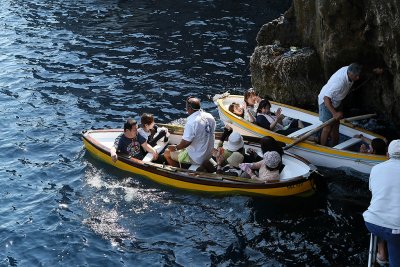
x=324 y=113
x=392 y=238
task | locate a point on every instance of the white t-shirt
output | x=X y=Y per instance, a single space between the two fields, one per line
x=337 y=87
x=200 y=129
x=384 y=183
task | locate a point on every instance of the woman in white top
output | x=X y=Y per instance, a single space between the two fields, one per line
x=150 y=131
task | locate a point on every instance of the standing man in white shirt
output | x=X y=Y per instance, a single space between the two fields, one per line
x=382 y=217
x=197 y=140
x=330 y=98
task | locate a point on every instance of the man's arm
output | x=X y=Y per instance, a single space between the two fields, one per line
x=335 y=114
x=113 y=154
x=183 y=144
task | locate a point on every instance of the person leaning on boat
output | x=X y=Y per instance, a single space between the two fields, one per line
x=130 y=142
x=382 y=218
x=197 y=141
x=331 y=96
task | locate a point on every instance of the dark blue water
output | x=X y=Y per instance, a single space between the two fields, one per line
x=66 y=66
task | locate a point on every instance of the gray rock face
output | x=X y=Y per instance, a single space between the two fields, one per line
x=326 y=35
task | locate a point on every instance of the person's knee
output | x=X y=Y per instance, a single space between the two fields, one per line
x=327 y=129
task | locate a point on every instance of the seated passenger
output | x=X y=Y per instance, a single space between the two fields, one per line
x=376 y=146
x=197 y=141
x=275 y=121
x=250 y=104
x=268 y=168
x=232 y=168
x=235 y=144
x=150 y=131
x=129 y=143
x=226 y=133
x=268 y=143
x=236 y=109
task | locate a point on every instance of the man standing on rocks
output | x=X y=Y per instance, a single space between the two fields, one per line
x=330 y=98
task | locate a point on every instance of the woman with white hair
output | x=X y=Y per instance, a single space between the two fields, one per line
x=382 y=217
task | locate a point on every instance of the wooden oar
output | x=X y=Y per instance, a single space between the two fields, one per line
x=308 y=134
x=330 y=121
x=361 y=117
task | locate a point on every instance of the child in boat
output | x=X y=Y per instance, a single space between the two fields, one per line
x=275 y=121
x=268 y=168
x=232 y=168
x=250 y=104
x=236 y=109
x=376 y=146
x=150 y=131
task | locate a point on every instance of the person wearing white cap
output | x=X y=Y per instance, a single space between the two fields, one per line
x=235 y=144
x=268 y=167
x=382 y=217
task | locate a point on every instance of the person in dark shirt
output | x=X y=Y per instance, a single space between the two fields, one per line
x=129 y=143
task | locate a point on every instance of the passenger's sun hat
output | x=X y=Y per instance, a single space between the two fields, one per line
x=272 y=159
x=235 y=159
x=235 y=142
x=394 y=149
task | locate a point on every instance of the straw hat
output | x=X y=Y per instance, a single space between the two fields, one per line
x=272 y=159
x=394 y=149
x=235 y=142
x=235 y=159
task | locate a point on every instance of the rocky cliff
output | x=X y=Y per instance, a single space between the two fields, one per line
x=298 y=52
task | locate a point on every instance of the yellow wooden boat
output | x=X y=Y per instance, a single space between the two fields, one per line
x=345 y=154
x=296 y=178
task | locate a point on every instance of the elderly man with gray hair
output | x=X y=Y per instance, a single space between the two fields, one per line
x=383 y=215
x=330 y=98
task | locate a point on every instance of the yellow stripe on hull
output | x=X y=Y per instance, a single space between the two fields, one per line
x=295 y=189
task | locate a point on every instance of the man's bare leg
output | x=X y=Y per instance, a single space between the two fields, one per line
x=325 y=134
x=335 y=133
x=167 y=156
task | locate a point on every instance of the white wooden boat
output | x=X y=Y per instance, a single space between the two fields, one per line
x=345 y=154
x=296 y=178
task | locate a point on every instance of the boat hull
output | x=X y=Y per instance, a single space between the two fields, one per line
x=316 y=154
x=199 y=181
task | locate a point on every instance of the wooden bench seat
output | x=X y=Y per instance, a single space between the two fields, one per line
x=348 y=143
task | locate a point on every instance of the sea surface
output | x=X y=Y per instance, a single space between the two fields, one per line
x=67 y=66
